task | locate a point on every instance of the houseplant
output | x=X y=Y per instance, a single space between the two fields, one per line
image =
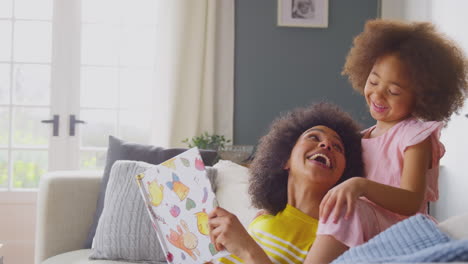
x=207 y=141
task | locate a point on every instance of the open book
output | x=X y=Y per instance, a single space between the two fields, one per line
x=179 y=197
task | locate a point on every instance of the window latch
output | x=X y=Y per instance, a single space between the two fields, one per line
x=55 y=122
x=73 y=122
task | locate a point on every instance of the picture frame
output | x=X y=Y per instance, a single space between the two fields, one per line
x=303 y=13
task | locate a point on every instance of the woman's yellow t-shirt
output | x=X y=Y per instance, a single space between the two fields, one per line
x=285 y=237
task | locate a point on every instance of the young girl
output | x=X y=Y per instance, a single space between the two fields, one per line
x=413 y=80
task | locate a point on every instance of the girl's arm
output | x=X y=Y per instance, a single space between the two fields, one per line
x=324 y=250
x=405 y=200
x=227 y=232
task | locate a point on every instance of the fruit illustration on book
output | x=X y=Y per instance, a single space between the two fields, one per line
x=156 y=192
x=175 y=211
x=212 y=248
x=180 y=189
x=199 y=164
x=184 y=239
x=202 y=222
x=170 y=163
x=205 y=194
x=170 y=257
x=190 y=204
x=186 y=162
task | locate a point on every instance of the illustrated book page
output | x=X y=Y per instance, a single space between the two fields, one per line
x=179 y=197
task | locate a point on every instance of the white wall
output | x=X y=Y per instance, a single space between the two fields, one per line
x=406 y=10
x=449 y=16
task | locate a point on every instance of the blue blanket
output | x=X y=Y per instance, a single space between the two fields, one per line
x=416 y=239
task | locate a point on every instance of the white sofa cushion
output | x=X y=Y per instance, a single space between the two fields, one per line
x=456 y=226
x=232 y=184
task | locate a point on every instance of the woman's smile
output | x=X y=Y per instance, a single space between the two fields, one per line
x=321 y=159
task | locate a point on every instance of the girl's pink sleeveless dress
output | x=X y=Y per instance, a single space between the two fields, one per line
x=383 y=159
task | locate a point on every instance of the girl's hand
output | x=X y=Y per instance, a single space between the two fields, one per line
x=344 y=194
x=227 y=232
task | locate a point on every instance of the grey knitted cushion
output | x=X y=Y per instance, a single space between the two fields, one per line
x=124 y=230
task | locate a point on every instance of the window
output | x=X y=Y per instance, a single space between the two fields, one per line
x=94 y=60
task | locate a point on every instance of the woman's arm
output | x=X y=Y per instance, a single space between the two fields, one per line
x=405 y=200
x=227 y=232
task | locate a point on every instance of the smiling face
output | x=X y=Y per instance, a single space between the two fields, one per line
x=318 y=155
x=303 y=6
x=388 y=91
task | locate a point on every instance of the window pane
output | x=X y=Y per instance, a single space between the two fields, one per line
x=3 y=169
x=28 y=130
x=4 y=126
x=28 y=46
x=4 y=83
x=6 y=8
x=99 y=87
x=33 y=9
x=138 y=46
x=28 y=167
x=139 y=12
x=99 y=125
x=99 y=45
x=136 y=88
x=99 y=11
x=135 y=126
x=5 y=44
x=92 y=160
x=31 y=84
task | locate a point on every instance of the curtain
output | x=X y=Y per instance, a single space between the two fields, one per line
x=194 y=70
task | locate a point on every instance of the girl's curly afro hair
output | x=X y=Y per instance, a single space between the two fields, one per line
x=268 y=179
x=437 y=67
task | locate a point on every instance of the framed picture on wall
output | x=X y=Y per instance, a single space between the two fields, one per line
x=303 y=13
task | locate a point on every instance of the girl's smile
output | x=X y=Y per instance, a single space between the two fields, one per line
x=388 y=91
x=379 y=108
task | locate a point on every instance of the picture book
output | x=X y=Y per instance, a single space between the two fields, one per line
x=179 y=197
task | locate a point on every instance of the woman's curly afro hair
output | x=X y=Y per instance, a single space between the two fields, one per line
x=268 y=178
x=437 y=67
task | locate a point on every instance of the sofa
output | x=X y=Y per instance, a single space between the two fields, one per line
x=67 y=204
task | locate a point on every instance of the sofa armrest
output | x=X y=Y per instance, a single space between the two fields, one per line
x=65 y=208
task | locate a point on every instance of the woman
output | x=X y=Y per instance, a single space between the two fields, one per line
x=305 y=153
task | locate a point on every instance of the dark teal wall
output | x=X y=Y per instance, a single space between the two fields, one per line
x=279 y=68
